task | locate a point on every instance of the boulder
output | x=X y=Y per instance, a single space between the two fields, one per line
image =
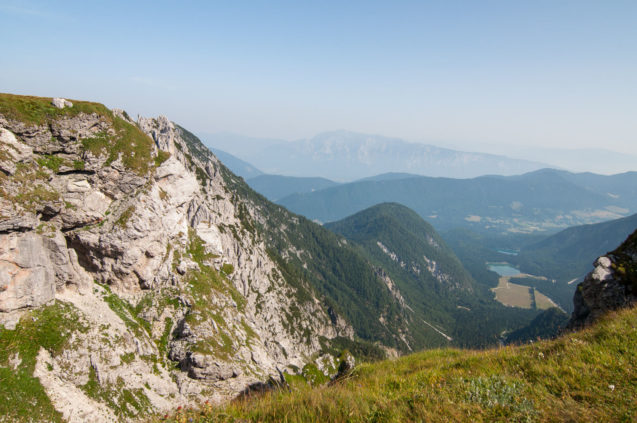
x=61 y=103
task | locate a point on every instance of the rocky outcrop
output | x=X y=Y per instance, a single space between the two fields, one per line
x=610 y=286
x=26 y=272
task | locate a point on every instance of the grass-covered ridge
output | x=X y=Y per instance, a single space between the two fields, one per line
x=587 y=376
x=126 y=141
x=40 y=110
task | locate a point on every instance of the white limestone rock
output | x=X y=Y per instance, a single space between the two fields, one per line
x=26 y=273
x=12 y=151
x=61 y=103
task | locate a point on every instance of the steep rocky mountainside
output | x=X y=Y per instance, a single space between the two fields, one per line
x=611 y=286
x=138 y=273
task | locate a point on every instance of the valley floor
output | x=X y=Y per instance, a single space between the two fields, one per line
x=516 y=295
x=587 y=376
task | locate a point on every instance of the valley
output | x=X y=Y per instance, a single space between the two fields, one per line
x=516 y=295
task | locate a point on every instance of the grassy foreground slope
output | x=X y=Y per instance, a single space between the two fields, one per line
x=587 y=376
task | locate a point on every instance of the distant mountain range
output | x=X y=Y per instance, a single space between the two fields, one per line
x=275 y=187
x=545 y=200
x=236 y=165
x=347 y=156
x=575 y=160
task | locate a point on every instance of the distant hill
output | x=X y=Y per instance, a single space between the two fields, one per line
x=575 y=160
x=348 y=156
x=544 y=200
x=570 y=253
x=388 y=176
x=236 y=165
x=445 y=305
x=275 y=187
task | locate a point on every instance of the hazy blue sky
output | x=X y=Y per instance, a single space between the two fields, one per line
x=551 y=73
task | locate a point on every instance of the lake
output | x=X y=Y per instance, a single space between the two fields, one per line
x=503 y=269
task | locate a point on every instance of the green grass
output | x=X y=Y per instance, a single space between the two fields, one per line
x=125 y=216
x=51 y=161
x=227 y=268
x=34 y=187
x=588 y=376
x=23 y=397
x=206 y=278
x=128 y=314
x=39 y=110
x=123 y=401
x=161 y=157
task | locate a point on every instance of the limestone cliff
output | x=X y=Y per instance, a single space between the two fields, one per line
x=610 y=286
x=146 y=250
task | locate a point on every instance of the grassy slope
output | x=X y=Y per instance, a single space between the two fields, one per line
x=588 y=376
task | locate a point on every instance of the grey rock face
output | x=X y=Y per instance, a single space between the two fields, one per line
x=13 y=151
x=27 y=276
x=601 y=291
x=200 y=366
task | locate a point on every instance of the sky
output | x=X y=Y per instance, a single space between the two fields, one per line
x=466 y=73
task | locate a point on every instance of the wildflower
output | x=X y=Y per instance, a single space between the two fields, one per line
x=541 y=355
x=611 y=387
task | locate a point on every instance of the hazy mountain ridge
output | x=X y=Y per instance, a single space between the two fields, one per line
x=236 y=165
x=537 y=201
x=275 y=187
x=348 y=156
